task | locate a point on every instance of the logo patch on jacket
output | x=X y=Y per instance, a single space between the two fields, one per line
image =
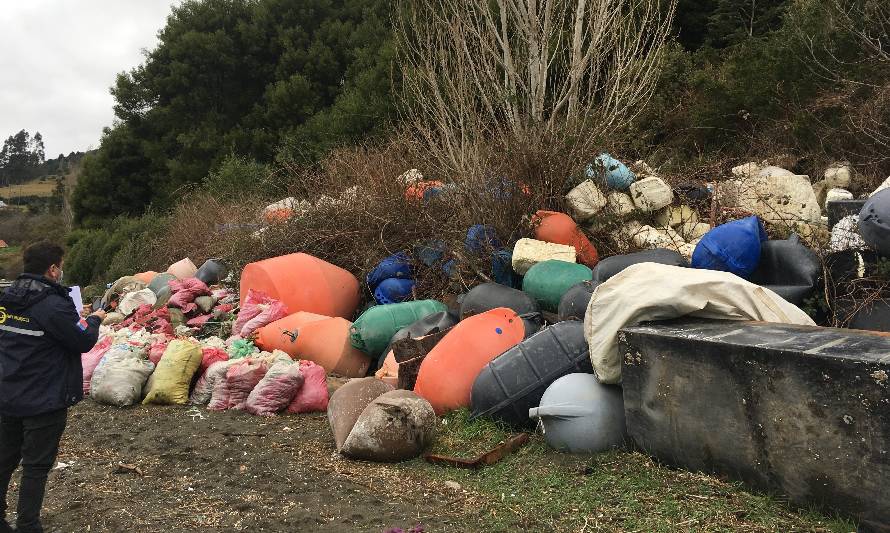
x=5 y=315
x=83 y=325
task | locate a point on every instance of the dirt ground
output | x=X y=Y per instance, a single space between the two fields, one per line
x=190 y=470
x=176 y=469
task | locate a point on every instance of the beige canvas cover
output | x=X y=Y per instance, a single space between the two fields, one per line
x=650 y=291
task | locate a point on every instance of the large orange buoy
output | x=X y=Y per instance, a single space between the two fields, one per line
x=320 y=339
x=560 y=228
x=146 y=277
x=304 y=283
x=275 y=335
x=446 y=376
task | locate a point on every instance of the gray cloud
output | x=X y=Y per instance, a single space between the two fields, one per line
x=59 y=59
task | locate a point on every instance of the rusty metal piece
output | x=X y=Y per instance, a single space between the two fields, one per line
x=488 y=458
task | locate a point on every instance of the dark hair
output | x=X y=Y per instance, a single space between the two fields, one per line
x=40 y=256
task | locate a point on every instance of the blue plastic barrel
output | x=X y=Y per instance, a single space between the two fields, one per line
x=397 y=265
x=480 y=238
x=731 y=247
x=393 y=291
x=615 y=174
x=502 y=268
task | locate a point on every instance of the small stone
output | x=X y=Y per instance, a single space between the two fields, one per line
x=453 y=485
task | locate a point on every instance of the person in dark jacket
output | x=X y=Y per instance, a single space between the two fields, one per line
x=41 y=339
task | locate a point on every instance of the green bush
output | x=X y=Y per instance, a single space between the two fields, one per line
x=240 y=176
x=103 y=255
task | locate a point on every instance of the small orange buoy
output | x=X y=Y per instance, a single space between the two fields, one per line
x=560 y=228
x=417 y=190
x=304 y=283
x=146 y=277
x=446 y=376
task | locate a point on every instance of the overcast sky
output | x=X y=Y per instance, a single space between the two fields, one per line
x=58 y=59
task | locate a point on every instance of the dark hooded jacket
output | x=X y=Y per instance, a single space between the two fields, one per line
x=41 y=339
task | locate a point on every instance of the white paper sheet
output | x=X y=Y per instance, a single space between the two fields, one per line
x=77 y=298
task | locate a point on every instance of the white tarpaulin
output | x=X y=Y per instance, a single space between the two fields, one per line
x=650 y=291
x=133 y=300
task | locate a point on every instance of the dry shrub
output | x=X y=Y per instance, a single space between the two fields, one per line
x=362 y=214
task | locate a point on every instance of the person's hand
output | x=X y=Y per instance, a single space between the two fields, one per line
x=100 y=313
x=87 y=311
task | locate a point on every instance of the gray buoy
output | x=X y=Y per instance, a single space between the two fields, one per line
x=581 y=415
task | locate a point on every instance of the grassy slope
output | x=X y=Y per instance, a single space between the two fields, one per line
x=539 y=489
x=39 y=187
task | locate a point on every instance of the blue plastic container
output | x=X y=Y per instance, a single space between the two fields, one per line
x=502 y=268
x=449 y=267
x=481 y=238
x=395 y=266
x=615 y=174
x=731 y=247
x=430 y=253
x=431 y=193
x=393 y=291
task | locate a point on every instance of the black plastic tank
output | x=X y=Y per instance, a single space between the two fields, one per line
x=610 y=266
x=838 y=209
x=488 y=296
x=573 y=305
x=516 y=380
x=788 y=268
x=212 y=271
x=427 y=325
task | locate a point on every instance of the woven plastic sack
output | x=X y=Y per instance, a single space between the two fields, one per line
x=216 y=373
x=312 y=397
x=209 y=356
x=257 y=311
x=732 y=247
x=173 y=376
x=184 y=293
x=156 y=351
x=121 y=377
x=241 y=378
x=90 y=361
x=276 y=390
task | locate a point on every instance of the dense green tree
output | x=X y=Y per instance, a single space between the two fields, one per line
x=239 y=78
x=734 y=21
x=21 y=157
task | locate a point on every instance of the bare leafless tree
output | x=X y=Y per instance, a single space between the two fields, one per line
x=520 y=70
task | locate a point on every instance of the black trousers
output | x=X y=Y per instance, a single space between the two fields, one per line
x=32 y=441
